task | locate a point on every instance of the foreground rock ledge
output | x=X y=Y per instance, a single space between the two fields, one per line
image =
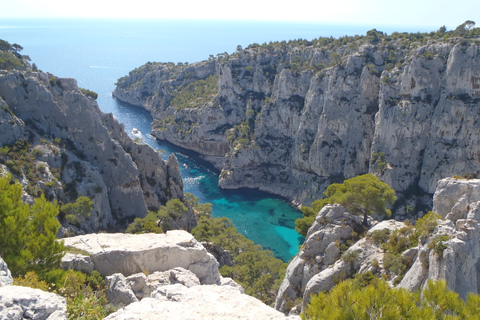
x=177 y=302
x=146 y=253
x=17 y=303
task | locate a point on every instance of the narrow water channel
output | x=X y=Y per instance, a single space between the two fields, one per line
x=263 y=218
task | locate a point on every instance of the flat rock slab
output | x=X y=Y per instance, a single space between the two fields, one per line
x=146 y=253
x=177 y=302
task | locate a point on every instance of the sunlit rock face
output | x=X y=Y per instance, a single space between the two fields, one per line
x=450 y=252
x=80 y=151
x=277 y=123
x=134 y=253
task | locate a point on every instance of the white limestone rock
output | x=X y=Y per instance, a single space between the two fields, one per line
x=121 y=290
x=5 y=275
x=118 y=292
x=313 y=127
x=333 y=225
x=178 y=302
x=146 y=253
x=95 y=154
x=453 y=196
x=318 y=266
x=456 y=259
x=78 y=262
x=18 y=303
x=456 y=263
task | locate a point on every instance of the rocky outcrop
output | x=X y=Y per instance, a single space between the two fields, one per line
x=407 y=112
x=76 y=150
x=453 y=253
x=5 y=275
x=146 y=253
x=317 y=265
x=449 y=251
x=198 y=302
x=453 y=198
x=18 y=303
x=122 y=291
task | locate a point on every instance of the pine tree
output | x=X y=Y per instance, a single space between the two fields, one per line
x=27 y=232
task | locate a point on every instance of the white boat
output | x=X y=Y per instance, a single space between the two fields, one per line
x=135 y=131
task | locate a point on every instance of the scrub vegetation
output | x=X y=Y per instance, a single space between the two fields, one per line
x=33 y=254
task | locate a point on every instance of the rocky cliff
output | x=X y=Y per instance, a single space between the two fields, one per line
x=56 y=141
x=446 y=247
x=291 y=118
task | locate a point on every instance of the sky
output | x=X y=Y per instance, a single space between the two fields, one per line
x=407 y=12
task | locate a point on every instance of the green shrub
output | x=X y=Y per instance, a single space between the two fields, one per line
x=4 y=151
x=76 y=212
x=159 y=221
x=368 y=297
x=254 y=268
x=195 y=94
x=350 y=256
x=396 y=264
x=438 y=244
x=73 y=219
x=14 y=167
x=380 y=236
x=89 y=93
x=31 y=280
x=27 y=232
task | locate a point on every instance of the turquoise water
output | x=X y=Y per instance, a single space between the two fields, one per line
x=266 y=220
x=98 y=52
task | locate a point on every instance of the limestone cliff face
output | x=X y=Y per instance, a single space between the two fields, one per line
x=61 y=144
x=277 y=123
x=450 y=250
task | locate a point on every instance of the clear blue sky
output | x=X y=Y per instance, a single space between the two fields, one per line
x=406 y=12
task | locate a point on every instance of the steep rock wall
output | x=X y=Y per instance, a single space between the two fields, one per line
x=277 y=123
x=450 y=251
x=79 y=151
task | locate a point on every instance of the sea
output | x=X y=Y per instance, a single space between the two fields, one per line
x=97 y=52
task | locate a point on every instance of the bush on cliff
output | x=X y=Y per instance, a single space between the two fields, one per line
x=159 y=221
x=29 y=246
x=367 y=297
x=362 y=195
x=256 y=269
x=10 y=59
x=27 y=232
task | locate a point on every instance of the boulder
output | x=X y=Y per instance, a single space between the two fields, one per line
x=453 y=196
x=78 y=262
x=5 y=275
x=18 y=303
x=178 y=302
x=122 y=291
x=146 y=253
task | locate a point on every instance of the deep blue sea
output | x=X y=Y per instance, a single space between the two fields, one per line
x=98 y=52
